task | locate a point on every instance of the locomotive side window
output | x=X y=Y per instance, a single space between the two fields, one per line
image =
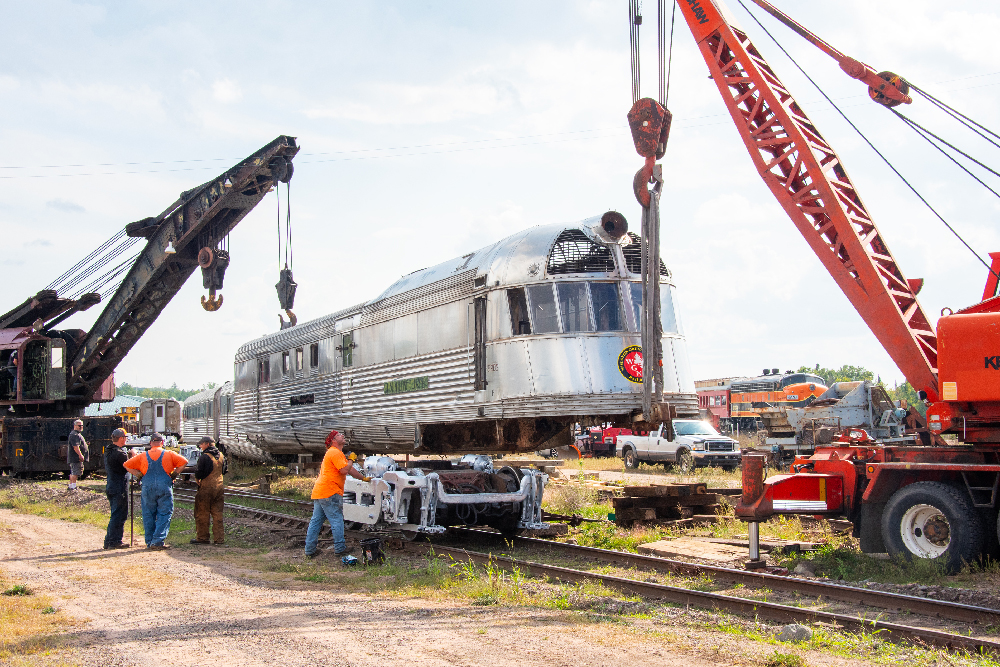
x=520 y=325
x=347 y=350
x=668 y=318
x=57 y=357
x=544 y=317
x=284 y=363
x=606 y=305
x=314 y=355
x=264 y=370
x=299 y=362
x=573 y=305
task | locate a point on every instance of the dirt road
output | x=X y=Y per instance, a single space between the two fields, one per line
x=181 y=608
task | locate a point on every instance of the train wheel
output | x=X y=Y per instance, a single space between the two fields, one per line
x=932 y=520
x=685 y=461
x=631 y=460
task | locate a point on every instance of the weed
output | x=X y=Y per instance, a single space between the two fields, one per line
x=569 y=498
x=18 y=589
x=49 y=610
x=777 y=659
x=315 y=578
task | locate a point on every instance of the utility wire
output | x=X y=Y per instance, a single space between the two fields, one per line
x=870 y=144
x=670 y=56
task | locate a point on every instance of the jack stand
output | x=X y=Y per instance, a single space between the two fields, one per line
x=755 y=562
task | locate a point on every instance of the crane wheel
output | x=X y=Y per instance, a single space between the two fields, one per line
x=932 y=520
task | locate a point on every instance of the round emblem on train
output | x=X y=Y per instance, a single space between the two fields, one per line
x=630 y=363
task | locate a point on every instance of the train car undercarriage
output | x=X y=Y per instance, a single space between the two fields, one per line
x=426 y=500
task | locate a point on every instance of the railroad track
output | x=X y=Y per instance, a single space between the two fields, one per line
x=940 y=609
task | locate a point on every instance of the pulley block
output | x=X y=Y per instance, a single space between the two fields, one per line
x=281 y=169
x=650 y=125
x=286 y=287
x=893 y=80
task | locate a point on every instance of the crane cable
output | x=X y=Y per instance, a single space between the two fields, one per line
x=870 y=144
x=661 y=38
x=634 y=21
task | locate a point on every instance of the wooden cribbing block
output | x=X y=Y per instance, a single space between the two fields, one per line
x=636 y=514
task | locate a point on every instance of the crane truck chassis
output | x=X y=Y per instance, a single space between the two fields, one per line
x=935 y=500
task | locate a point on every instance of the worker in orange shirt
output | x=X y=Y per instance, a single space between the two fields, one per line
x=328 y=495
x=158 y=468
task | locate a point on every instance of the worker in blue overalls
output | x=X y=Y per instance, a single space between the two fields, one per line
x=158 y=467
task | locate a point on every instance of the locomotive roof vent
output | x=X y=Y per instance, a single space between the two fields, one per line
x=573 y=252
x=633 y=256
x=774 y=371
x=767 y=372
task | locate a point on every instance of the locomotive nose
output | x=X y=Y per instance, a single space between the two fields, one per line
x=614 y=224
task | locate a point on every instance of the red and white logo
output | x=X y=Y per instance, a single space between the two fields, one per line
x=630 y=363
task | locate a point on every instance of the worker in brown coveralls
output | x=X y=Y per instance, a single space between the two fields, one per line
x=208 y=502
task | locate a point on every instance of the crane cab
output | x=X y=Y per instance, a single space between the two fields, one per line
x=32 y=367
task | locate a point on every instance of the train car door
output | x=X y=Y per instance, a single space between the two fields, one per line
x=159 y=421
x=479 y=347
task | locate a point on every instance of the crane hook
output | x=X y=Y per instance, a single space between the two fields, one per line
x=211 y=304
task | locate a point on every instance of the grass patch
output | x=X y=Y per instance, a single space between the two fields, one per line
x=777 y=659
x=29 y=623
x=18 y=589
x=845 y=560
x=294 y=486
x=17 y=499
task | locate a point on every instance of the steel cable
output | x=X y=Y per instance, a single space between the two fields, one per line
x=86 y=259
x=870 y=144
x=958 y=115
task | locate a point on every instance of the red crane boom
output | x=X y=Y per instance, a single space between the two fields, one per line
x=809 y=180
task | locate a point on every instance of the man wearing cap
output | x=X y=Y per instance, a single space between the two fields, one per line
x=158 y=467
x=77 y=453
x=117 y=489
x=209 y=501
x=328 y=495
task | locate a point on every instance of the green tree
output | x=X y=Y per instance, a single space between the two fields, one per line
x=905 y=392
x=845 y=373
x=161 y=392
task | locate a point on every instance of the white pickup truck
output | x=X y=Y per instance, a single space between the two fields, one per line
x=695 y=443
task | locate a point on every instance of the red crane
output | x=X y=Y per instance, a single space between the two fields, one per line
x=914 y=501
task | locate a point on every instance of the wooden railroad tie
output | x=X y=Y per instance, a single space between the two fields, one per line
x=670 y=504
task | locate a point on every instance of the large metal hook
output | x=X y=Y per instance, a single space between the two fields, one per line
x=292 y=320
x=211 y=304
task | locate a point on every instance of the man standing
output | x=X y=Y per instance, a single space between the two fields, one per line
x=328 y=495
x=117 y=489
x=209 y=501
x=77 y=453
x=158 y=468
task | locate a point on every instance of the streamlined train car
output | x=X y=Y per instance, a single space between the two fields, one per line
x=211 y=412
x=499 y=350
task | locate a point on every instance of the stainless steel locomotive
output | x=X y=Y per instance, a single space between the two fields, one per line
x=211 y=412
x=499 y=350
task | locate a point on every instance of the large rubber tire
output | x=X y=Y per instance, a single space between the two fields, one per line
x=932 y=520
x=685 y=461
x=631 y=460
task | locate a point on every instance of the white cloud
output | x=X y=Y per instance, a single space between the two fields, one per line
x=226 y=91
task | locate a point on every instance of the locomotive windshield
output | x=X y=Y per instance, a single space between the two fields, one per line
x=683 y=427
x=667 y=316
x=800 y=378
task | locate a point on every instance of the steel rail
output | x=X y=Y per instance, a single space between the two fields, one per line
x=980 y=616
x=717 y=601
x=955 y=611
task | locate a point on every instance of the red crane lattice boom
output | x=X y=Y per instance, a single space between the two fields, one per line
x=809 y=180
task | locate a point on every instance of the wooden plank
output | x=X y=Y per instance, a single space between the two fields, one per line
x=697 y=499
x=636 y=514
x=648 y=491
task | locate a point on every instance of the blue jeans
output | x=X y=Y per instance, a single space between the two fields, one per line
x=330 y=509
x=157 y=509
x=119 y=513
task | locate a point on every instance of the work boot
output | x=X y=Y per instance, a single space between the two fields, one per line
x=158 y=547
x=347 y=550
x=197 y=541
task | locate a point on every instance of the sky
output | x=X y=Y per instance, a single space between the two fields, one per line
x=431 y=129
